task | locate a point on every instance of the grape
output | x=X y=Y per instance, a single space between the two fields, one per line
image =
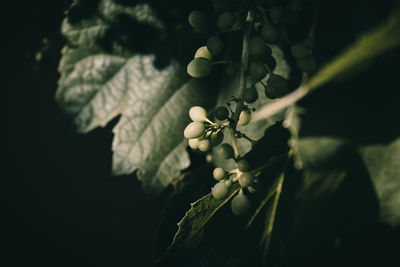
x=203 y=52
x=277 y=86
x=221 y=113
x=307 y=65
x=226 y=21
x=216 y=138
x=197 y=19
x=198 y=113
x=276 y=14
x=250 y=94
x=240 y=205
x=220 y=191
x=244 y=117
x=204 y=145
x=258 y=48
x=246 y=179
x=299 y=51
x=258 y=71
x=219 y=174
x=243 y=165
x=269 y=33
x=194 y=143
x=215 y=45
x=194 y=130
x=199 y=67
x=225 y=151
x=228 y=183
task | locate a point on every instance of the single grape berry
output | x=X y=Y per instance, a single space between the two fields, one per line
x=194 y=130
x=228 y=182
x=240 y=205
x=198 y=113
x=269 y=33
x=258 y=48
x=220 y=191
x=243 y=165
x=203 y=52
x=250 y=94
x=246 y=179
x=226 y=21
x=204 y=145
x=194 y=143
x=199 y=67
x=215 y=45
x=198 y=19
x=277 y=86
x=216 y=138
x=219 y=173
x=221 y=113
x=307 y=65
x=225 y=151
x=258 y=71
x=299 y=51
x=244 y=117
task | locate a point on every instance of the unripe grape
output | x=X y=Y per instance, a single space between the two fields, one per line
x=219 y=173
x=307 y=65
x=199 y=67
x=228 y=182
x=198 y=113
x=243 y=165
x=204 y=145
x=250 y=94
x=258 y=71
x=198 y=19
x=258 y=48
x=220 y=191
x=194 y=143
x=276 y=14
x=215 y=45
x=244 y=117
x=194 y=130
x=240 y=205
x=225 y=151
x=246 y=179
x=299 y=51
x=269 y=33
x=226 y=21
x=203 y=52
x=221 y=113
x=277 y=86
x=216 y=138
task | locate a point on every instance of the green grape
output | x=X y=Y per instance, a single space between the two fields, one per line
x=194 y=130
x=220 y=191
x=240 y=205
x=198 y=113
x=299 y=51
x=219 y=173
x=258 y=71
x=250 y=94
x=276 y=14
x=269 y=33
x=258 y=48
x=216 y=138
x=307 y=65
x=204 y=145
x=199 y=67
x=243 y=165
x=228 y=182
x=215 y=45
x=226 y=21
x=244 y=117
x=221 y=113
x=203 y=52
x=198 y=19
x=194 y=143
x=246 y=179
x=224 y=151
x=277 y=86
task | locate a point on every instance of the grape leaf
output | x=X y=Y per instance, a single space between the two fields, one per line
x=102 y=78
x=383 y=165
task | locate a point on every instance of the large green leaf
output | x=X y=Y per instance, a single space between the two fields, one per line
x=103 y=78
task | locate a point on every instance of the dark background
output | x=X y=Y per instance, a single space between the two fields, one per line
x=59 y=206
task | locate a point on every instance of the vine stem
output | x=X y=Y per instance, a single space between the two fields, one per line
x=243 y=77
